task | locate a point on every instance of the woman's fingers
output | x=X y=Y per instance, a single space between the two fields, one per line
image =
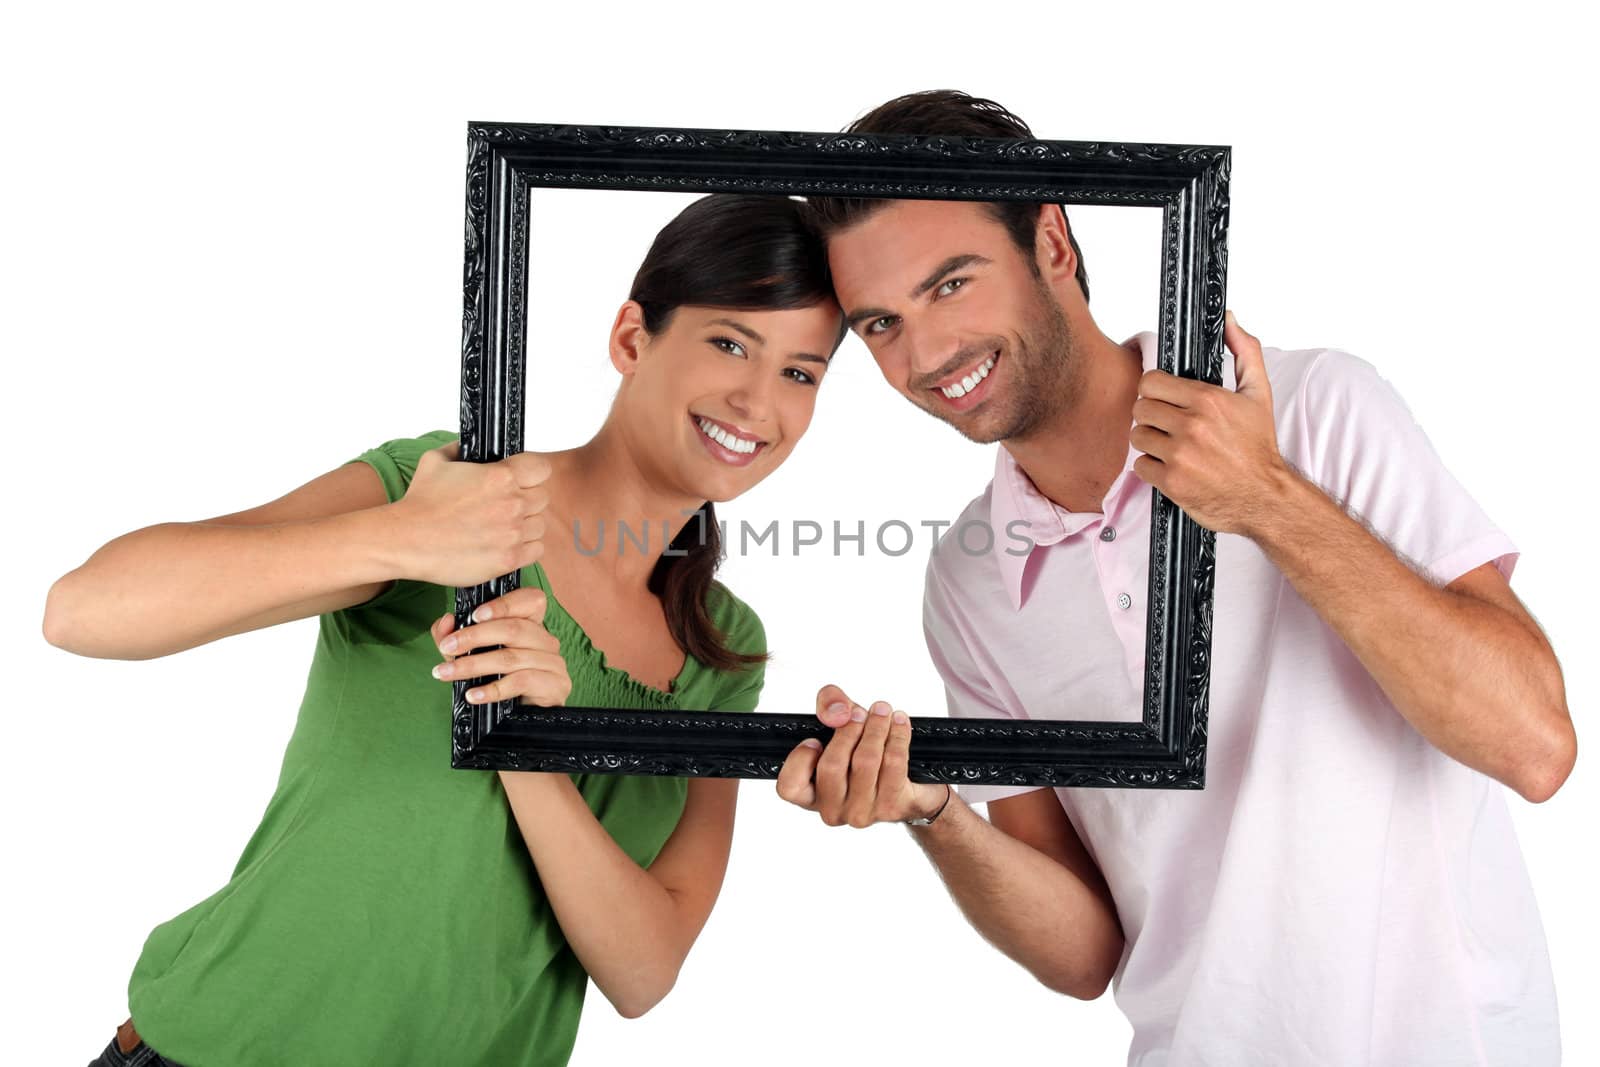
x=520 y=650
x=442 y=628
x=526 y=602
x=514 y=633
x=538 y=677
x=499 y=661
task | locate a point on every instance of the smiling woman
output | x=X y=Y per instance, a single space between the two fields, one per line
x=354 y=880
x=790 y=542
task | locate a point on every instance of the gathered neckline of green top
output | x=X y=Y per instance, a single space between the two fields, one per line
x=597 y=657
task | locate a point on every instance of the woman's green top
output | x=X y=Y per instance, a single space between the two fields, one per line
x=386 y=910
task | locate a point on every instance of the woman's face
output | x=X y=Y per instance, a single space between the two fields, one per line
x=723 y=395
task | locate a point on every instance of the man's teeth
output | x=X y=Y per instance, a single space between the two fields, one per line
x=726 y=439
x=966 y=385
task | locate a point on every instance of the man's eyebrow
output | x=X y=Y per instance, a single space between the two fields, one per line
x=954 y=263
x=741 y=327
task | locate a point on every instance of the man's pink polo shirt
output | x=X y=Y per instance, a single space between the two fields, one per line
x=1341 y=892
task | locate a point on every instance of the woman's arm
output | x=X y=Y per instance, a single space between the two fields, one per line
x=631 y=927
x=332 y=543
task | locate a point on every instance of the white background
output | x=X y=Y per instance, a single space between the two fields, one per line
x=231 y=250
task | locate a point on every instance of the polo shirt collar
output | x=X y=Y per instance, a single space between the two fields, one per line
x=1014 y=497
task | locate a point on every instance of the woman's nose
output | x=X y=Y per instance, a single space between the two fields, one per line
x=753 y=397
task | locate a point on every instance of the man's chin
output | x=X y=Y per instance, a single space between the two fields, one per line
x=980 y=426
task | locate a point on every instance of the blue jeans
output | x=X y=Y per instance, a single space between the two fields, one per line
x=141 y=1055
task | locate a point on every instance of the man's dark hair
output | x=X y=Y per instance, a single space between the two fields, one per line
x=948 y=113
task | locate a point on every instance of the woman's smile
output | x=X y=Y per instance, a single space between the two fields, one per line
x=726 y=442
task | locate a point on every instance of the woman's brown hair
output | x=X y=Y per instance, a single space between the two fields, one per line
x=726 y=250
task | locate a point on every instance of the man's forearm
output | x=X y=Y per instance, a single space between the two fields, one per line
x=1481 y=685
x=1025 y=903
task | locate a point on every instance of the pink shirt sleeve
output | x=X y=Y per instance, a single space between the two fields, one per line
x=1365 y=449
x=968 y=694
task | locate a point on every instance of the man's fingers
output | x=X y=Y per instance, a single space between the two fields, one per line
x=860 y=808
x=1151 y=442
x=1249 y=369
x=833 y=707
x=833 y=767
x=894 y=776
x=1179 y=392
x=795 y=776
x=1159 y=414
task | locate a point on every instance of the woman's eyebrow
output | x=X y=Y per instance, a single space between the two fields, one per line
x=741 y=327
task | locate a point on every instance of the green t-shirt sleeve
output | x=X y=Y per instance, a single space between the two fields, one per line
x=396 y=461
x=742 y=628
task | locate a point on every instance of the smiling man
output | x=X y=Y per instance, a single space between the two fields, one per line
x=1347 y=889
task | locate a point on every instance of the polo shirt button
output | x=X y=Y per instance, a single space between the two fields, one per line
x=1108 y=534
x=1124 y=601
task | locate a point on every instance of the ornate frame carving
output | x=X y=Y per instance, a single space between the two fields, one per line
x=1190 y=185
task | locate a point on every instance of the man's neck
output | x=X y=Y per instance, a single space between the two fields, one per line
x=1074 y=459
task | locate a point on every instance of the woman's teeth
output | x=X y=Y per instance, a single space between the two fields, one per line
x=966 y=385
x=726 y=439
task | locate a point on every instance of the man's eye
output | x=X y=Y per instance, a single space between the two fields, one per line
x=734 y=347
x=951 y=286
x=873 y=326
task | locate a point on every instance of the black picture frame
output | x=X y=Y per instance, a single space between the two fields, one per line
x=505 y=161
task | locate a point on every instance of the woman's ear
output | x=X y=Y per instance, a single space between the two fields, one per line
x=628 y=337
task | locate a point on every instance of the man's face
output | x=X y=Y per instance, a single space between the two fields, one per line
x=954 y=316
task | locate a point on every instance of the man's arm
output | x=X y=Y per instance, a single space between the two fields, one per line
x=1030 y=889
x=1464 y=664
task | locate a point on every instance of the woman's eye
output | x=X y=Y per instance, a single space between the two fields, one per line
x=801 y=376
x=734 y=347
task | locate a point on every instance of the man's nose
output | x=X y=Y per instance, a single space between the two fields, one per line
x=930 y=345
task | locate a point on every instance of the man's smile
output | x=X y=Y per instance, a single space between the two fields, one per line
x=966 y=387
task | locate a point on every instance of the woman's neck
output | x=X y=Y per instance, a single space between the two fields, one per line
x=611 y=509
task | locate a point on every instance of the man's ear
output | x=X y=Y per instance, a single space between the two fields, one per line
x=1052 y=246
x=628 y=337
